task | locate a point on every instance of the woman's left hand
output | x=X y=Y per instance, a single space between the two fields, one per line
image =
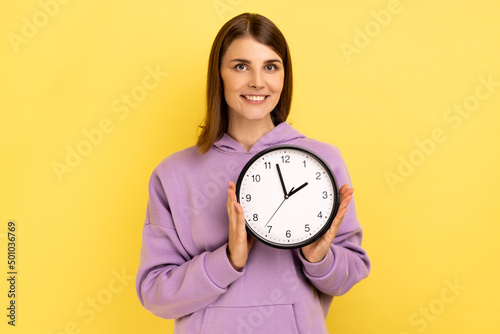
x=317 y=250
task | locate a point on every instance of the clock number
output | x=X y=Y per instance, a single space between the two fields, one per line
x=270 y=227
x=307 y=229
x=325 y=195
x=256 y=178
x=288 y=234
x=285 y=159
x=267 y=165
x=304 y=162
x=318 y=176
x=320 y=215
x=248 y=197
x=255 y=217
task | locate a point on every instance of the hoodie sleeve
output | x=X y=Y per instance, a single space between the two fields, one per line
x=170 y=283
x=346 y=263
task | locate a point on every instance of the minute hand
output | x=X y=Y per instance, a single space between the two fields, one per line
x=281 y=180
x=293 y=191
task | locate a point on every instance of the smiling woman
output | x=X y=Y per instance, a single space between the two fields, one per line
x=252 y=88
x=251 y=44
x=198 y=264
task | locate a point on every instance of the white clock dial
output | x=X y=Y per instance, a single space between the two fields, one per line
x=289 y=196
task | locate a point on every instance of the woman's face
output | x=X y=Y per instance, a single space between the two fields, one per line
x=252 y=76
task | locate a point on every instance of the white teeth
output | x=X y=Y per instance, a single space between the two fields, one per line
x=254 y=98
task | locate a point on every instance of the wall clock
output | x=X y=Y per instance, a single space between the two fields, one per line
x=289 y=195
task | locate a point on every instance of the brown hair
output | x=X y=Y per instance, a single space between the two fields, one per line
x=264 y=31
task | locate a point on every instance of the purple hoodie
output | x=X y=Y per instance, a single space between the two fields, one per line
x=184 y=272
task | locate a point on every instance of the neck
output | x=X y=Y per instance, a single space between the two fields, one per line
x=247 y=133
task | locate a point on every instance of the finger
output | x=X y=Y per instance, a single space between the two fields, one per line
x=232 y=194
x=342 y=210
x=229 y=191
x=331 y=234
x=339 y=217
x=345 y=198
x=334 y=228
x=232 y=188
x=344 y=188
x=345 y=202
x=240 y=216
x=231 y=200
x=345 y=191
x=239 y=209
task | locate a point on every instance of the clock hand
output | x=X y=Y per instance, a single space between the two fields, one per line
x=292 y=191
x=276 y=211
x=281 y=179
x=284 y=192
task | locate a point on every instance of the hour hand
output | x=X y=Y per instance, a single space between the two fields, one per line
x=281 y=180
x=293 y=190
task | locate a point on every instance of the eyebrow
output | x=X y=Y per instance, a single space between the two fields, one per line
x=245 y=61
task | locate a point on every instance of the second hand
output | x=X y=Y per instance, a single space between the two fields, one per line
x=275 y=212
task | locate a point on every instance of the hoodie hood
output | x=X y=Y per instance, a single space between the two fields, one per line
x=283 y=133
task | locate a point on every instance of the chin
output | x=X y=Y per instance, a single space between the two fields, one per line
x=257 y=117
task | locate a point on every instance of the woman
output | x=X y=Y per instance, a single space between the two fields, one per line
x=198 y=265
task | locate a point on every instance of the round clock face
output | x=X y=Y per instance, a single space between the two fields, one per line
x=289 y=196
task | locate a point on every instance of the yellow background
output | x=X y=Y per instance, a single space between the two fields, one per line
x=434 y=227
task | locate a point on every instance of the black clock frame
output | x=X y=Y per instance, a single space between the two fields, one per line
x=330 y=174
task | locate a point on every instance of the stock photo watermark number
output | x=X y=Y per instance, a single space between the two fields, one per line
x=11 y=272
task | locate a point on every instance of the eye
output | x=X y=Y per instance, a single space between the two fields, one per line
x=271 y=67
x=240 y=67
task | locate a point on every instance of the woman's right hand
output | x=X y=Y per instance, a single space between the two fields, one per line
x=240 y=242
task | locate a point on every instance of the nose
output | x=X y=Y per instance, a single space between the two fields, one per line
x=256 y=80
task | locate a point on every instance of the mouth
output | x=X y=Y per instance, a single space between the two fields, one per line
x=255 y=98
